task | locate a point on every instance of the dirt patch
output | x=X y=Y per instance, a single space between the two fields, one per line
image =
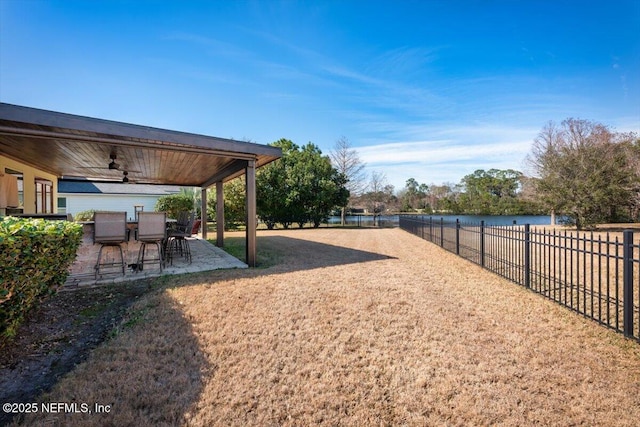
x=58 y=335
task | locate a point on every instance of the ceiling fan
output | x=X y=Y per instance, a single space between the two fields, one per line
x=115 y=166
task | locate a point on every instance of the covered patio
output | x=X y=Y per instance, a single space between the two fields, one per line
x=68 y=146
x=205 y=257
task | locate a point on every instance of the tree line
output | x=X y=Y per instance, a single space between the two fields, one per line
x=492 y=192
x=582 y=170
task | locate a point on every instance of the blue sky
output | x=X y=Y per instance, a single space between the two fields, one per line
x=430 y=90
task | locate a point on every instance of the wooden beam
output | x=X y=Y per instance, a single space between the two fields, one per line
x=220 y=214
x=203 y=206
x=220 y=175
x=252 y=220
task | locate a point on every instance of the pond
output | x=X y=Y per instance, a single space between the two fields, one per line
x=393 y=220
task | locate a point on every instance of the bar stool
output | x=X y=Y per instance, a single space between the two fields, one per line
x=152 y=229
x=109 y=229
x=178 y=243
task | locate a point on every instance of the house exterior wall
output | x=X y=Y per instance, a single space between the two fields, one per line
x=108 y=202
x=29 y=175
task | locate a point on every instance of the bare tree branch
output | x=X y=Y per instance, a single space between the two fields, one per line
x=346 y=161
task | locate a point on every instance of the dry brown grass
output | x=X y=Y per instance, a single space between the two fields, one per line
x=355 y=327
x=582 y=270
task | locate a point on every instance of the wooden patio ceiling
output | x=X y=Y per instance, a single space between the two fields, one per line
x=67 y=146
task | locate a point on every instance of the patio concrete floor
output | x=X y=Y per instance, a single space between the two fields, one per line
x=204 y=255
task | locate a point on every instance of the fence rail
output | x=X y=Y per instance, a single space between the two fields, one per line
x=593 y=275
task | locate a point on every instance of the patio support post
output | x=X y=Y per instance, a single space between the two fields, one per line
x=220 y=214
x=252 y=221
x=203 y=212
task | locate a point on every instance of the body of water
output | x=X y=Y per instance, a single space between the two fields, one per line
x=393 y=220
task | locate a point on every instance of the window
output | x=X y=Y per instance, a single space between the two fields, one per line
x=44 y=196
x=62 y=205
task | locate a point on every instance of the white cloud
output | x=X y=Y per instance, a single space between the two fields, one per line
x=442 y=151
x=453 y=153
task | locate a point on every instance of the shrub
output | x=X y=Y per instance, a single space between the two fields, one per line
x=174 y=204
x=35 y=255
x=84 y=215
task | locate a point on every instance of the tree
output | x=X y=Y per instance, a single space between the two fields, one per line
x=632 y=148
x=492 y=192
x=346 y=161
x=584 y=171
x=272 y=188
x=379 y=194
x=413 y=196
x=173 y=204
x=301 y=186
x=315 y=187
x=444 y=198
x=234 y=203
x=195 y=194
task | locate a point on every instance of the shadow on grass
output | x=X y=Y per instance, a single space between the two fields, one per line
x=153 y=368
x=292 y=254
x=150 y=372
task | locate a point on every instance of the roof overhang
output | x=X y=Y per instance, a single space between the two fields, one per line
x=67 y=145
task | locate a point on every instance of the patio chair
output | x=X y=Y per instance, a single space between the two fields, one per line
x=152 y=229
x=179 y=223
x=183 y=218
x=109 y=229
x=178 y=243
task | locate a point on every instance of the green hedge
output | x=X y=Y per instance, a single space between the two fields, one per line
x=84 y=215
x=35 y=255
x=174 y=204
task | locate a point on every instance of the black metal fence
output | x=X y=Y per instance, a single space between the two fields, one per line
x=594 y=275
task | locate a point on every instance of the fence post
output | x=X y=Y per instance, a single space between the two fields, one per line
x=627 y=261
x=482 y=243
x=457 y=236
x=441 y=232
x=431 y=229
x=527 y=257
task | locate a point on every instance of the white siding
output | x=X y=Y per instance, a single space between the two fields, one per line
x=108 y=202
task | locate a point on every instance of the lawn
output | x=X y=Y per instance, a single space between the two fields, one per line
x=353 y=327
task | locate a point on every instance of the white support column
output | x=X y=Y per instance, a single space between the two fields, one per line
x=220 y=214
x=203 y=215
x=252 y=219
